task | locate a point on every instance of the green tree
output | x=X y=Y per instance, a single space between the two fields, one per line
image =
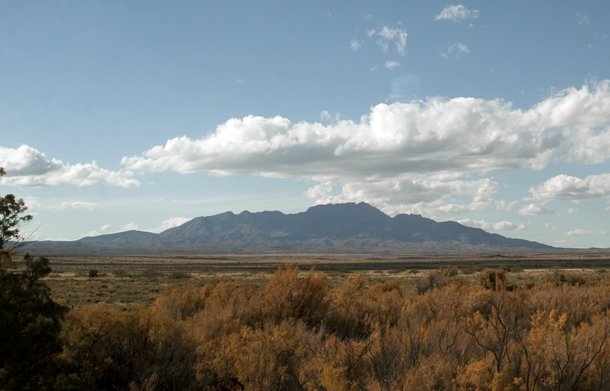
x=12 y=217
x=30 y=321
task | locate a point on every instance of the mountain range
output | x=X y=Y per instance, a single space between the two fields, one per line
x=345 y=227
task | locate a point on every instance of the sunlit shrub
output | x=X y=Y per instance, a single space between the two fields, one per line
x=494 y=280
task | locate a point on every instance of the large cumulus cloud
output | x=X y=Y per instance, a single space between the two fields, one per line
x=403 y=154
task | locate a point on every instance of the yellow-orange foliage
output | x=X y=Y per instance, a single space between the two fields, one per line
x=299 y=334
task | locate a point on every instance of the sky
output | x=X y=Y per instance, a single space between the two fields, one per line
x=119 y=115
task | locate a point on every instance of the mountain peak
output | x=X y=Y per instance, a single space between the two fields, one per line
x=347 y=227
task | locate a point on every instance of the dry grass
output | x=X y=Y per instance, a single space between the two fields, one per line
x=136 y=281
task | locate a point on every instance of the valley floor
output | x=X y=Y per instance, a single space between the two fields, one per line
x=135 y=281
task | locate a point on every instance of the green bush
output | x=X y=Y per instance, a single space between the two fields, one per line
x=30 y=322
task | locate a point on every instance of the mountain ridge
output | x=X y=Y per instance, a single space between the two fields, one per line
x=347 y=227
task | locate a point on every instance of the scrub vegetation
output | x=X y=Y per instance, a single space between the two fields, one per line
x=453 y=331
x=448 y=328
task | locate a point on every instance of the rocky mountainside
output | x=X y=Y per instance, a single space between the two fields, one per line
x=324 y=228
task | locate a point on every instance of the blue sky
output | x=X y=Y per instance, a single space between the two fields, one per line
x=118 y=115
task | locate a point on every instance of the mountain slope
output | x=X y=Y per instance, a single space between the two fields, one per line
x=324 y=228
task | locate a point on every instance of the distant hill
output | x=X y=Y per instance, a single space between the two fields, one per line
x=346 y=227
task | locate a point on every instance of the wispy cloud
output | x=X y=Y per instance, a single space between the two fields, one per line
x=129 y=227
x=170 y=223
x=457 y=49
x=386 y=35
x=91 y=206
x=535 y=209
x=104 y=230
x=328 y=117
x=391 y=64
x=493 y=227
x=584 y=232
x=356 y=43
x=582 y=20
x=457 y=13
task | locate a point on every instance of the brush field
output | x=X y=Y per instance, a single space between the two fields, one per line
x=135 y=281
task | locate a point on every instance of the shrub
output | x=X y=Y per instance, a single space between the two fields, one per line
x=93 y=273
x=151 y=273
x=120 y=273
x=437 y=279
x=179 y=275
x=288 y=296
x=516 y=269
x=470 y=269
x=494 y=280
x=30 y=325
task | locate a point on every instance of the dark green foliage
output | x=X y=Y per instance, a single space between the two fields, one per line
x=30 y=322
x=11 y=216
x=93 y=273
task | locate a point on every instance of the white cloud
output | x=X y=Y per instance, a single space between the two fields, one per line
x=75 y=205
x=436 y=135
x=401 y=156
x=422 y=193
x=326 y=116
x=170 y=223
x=584 y=232
x=26 y=166
x=386 y=35
x=589 y=144
x=456 y=48
x=457 y=13
x=572 y=210
x=32 y=203
x=564 y=187
x=549 y=226
x=104 y=230
x=582 y=20
x=493 y=227
x=535 y=209
x=129 y=227
x=391 y=64
x=356 y=43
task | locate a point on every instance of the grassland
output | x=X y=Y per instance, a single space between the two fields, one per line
x=135 y=281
